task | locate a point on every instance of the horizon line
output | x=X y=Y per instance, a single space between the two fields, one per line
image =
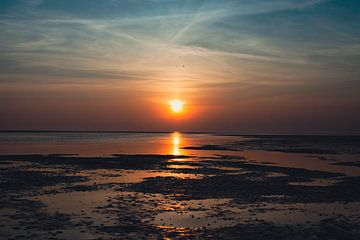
x=226 y=133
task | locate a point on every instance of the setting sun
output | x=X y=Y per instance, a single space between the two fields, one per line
x=176 y=105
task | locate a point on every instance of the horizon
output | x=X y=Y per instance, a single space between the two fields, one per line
x=220 y=133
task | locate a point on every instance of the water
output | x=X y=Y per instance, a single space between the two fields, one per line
x=102 y=143
x=272 y=149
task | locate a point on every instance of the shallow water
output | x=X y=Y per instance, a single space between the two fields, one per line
x=99 y=144
x=109 y=143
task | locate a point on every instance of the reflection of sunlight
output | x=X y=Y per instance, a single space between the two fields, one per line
x=176 y=140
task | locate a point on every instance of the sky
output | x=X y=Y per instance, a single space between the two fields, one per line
x=262 y=67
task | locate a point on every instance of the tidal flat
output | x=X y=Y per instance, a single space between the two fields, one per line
x=178 y=186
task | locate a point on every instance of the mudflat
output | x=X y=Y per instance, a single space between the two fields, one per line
x=179 y=186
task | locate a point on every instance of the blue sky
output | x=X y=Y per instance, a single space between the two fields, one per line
x=226 y=59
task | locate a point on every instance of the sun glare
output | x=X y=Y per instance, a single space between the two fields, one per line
x=176 y=143
x=176 y=105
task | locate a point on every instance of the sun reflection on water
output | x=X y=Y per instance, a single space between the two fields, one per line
x=176 y=142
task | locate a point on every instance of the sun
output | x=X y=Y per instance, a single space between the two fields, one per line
x=176 y=105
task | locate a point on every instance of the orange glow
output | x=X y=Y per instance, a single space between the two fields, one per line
x=176 y=140
x=176 y=105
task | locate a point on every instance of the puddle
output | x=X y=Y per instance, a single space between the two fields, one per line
x=276 y=174
x=191 y=214
x=228 y=168
x=81 y=205
x=174 y=166
x=316 y=183
x=136 y=176
x=227 y=215
x=191 y=219
x=140 y=175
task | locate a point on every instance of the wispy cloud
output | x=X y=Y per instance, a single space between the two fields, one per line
x=209 y=35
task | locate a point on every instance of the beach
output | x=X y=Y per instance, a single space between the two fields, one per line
x=178 y=186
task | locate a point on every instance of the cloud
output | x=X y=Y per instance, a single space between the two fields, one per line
x=212 y=37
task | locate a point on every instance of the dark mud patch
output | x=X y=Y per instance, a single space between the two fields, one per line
x=299 y=173
x=245 y=189
x=323 y=158
x=253 y=182
x=23 y=218
x=20 y=180
x=328 y=229
x=351 y=164
x=211 y=147
x=115 y=161
x=292 y=144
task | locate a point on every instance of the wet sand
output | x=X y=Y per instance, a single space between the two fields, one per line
x=179 y=186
